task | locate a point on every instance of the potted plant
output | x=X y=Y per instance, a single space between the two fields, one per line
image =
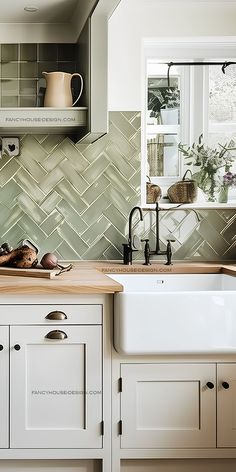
x=228 y=182
x=208 y=161
x=170 y=108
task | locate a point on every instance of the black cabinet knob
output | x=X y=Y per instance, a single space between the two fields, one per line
x=1 y=347
x=17 y=347
x=210 y=385
x=225 y=385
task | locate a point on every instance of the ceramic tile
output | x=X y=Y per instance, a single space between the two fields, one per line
x=69 y=194
x=9 y=52
x=72 y=217
x=9 y=87
x=28 y=52
x=31 y=208
x=52 y=222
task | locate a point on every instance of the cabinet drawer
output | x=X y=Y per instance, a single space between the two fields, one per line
x=51 y=314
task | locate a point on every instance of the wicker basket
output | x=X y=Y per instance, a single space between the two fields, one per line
x=153 y=192
x=184 y=191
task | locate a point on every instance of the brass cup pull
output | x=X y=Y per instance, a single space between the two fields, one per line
x=56 y=334
x=56 y=315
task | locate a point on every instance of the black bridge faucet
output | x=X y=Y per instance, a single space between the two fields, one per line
x=128 y=248
x=158 y=251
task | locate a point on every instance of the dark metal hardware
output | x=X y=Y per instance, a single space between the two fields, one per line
x=127 y=247
x=17 y=347
x=56 y=315
x=1 y=347
x=146 y=252
x=210 y=385
x=56 y=334
x=102 y=428
x=225 y=385
x=120 y=384
x=223 y=64
x=120 y=427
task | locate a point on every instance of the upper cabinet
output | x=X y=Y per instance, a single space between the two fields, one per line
x=69 y=38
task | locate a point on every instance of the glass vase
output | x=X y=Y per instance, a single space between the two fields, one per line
x=223 y=194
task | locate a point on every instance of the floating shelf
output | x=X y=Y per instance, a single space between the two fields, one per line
x=41 y=120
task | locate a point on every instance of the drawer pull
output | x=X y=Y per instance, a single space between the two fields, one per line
x=210 y=385
x=56 y=315
x=17 y=347
x=225 y=385
x=56 y=334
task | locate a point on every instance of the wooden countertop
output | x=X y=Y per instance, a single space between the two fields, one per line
x=90 y=278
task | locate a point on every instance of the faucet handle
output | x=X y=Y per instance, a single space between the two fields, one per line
x=146 y=251
x=169 y=251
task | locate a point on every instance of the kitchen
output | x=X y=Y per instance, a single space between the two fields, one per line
x=74 y=199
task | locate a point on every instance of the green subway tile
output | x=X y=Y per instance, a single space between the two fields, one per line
x=31 y=147
x=66 y=252
x=9 y=52
x=53 y=160
x=72 y=217
x=52 y=141
x=46 y=67
x=96 y=169
x=123 y=125
x=98 y=187
x=28 y=102
x=50 y=202
x=68 y=193
x=95 y=230
x=115 y=216
x=9 y=70
x=51 y=180
x=48 y=52
x=31 y=208
x=8 y=171
x=9 y=87
x=119 y=182
x=29 y=185
x=72 y=238
x=31 y=229
x=76 y=158
x=10 y=101
x=28 y=70
x=112 y=254
x=119 y=161
x=69 y=67
x=9 y=192
x=14 y=235
x=28 y=52
x=51 y=222
x=94 y=212
x=66 y=52
x=50 y=243
x=28 y=87
x=73 y=177
x=96 y=251
x=124 y=146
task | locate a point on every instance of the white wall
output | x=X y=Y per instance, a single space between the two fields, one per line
x=134 y=20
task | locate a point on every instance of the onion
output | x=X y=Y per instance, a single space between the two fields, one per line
x=49 y=261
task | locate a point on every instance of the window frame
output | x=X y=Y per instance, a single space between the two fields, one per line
x=192 y=124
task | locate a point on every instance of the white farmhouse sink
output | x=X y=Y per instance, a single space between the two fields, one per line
x=175 y=314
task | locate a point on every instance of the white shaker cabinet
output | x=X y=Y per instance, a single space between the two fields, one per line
x=168 y=406
x=56 y=392
x=226 y=405
x=4 y=386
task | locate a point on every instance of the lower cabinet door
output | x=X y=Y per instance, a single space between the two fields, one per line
x=168 y=405
x=226 y=405
x=4 y=387
x=56 y=383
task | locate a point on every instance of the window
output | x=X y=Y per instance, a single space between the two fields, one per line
x=194 y=100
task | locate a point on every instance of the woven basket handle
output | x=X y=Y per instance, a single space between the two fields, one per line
x=184 y=176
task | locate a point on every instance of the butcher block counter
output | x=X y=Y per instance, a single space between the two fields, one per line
x=89 y=277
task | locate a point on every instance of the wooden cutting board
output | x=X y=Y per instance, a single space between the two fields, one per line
x=34 y=272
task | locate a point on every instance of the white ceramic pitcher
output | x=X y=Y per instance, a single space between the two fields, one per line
x=58 y=89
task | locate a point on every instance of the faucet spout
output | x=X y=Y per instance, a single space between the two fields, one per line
x=127 y=248
x=130 y=222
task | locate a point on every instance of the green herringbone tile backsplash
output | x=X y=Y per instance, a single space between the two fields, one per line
x=75 y=200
